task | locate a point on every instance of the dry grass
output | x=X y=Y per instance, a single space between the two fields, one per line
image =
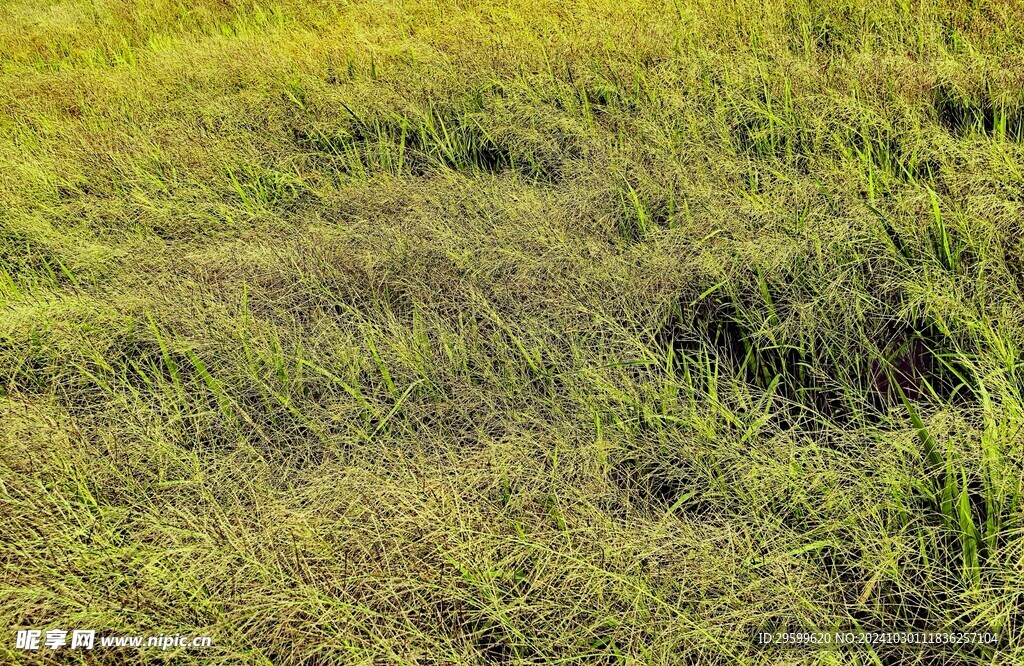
x=521 y=332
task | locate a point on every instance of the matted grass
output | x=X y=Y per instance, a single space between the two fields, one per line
x=512 y=332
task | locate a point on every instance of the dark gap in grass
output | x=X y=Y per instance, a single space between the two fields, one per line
x=495 y=643
x=604 y=648
x=417 y=143
x=845 y=567
x=604 y=96
x=827 y=37
x=610 y=95
x=920 y=360
x=766 y=125
x=759 y=136
x=716 y=326
x=917 y=358
x=961 y=114
x=548 y=381
x=884 y=148
x=914 y=612
x=69 y=192
x=649 y=482
x=899 y=598
x=641 y=211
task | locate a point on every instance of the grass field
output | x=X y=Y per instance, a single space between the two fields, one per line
x=539 y=332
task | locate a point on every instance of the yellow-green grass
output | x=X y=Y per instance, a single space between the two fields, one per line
x=512 y=332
